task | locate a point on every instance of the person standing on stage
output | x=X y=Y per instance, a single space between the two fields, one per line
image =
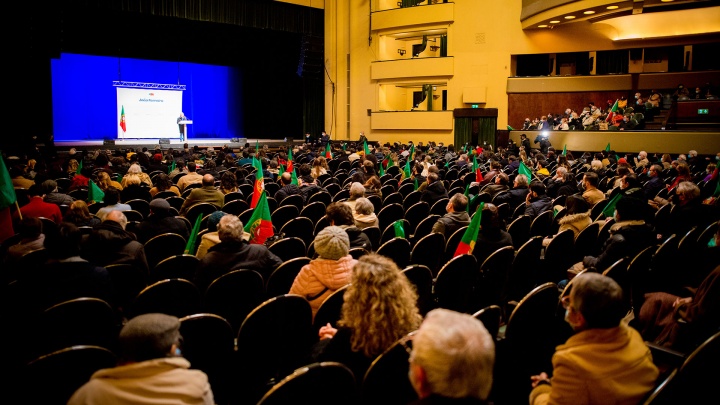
x=181 y=127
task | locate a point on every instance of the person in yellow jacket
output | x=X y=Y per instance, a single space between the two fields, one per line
x=605 y=361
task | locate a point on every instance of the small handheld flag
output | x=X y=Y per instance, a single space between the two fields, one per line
x=399 y=228
x=190 y=247
x=564 y=153
x=467 y=243
x=259 y=225
x=95 y=194
x=80 y=166
x=607 y=148
x=525 y=170
x=609 y=210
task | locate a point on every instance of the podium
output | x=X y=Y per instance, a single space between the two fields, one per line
x=185 y=123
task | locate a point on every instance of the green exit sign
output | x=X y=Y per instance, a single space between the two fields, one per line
x=702 y=111
x=478 y=106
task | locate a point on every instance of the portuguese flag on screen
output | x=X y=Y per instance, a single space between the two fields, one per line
x=260 y=225
x=122 y=119
x=467 y=244
x=259 y=188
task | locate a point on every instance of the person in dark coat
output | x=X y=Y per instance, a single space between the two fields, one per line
x=287 y=189
x=110 y=243
x=537 y=201
x=161 y=220
x=492 y=235
x=434 y=191
x=234 y=253
x=655 y=184
x=456 y=216
x=515 y=196
x=340 y=214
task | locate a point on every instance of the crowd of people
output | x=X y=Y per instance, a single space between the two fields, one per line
x=452 y=355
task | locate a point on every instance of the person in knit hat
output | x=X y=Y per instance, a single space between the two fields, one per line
x=150 y=368
x=331 y=270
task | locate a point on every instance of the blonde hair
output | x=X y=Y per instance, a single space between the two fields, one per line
x=380 y=305
x=103 y=180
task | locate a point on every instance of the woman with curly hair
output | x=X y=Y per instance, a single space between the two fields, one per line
x=135 y=175
x=104 y=182
x=228 y=183
x=319 y=167
x=163 y=183
x=379 y=308
x=79 y=214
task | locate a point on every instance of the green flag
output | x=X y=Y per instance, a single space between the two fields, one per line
x=412 y=152
x=510 y=128
x=365 y=148
x=294 y=178
x=565 y=150
x=467 y=190
x=382 y=170
x=406 y=171
x=171 y=167
x=95 y=194
x=416 y=184
x=525 y=170
x=344 y=146
x=390 y=162
x=467 y=243
x=79 y=168
x=399 y=229
x=609 y=210
x=447 y=164
x=7 y=190
x=190 y=247
x=607 y=148
x=282 y=169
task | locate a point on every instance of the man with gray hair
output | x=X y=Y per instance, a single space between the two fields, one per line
x=605 y=361
x=456 y=216
x=516 y=195
x=150 y=368
x=234 y=253
x=452 y=358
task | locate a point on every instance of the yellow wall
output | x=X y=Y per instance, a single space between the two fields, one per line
x=482 y=38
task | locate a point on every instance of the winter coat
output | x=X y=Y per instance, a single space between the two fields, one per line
x=320 y=278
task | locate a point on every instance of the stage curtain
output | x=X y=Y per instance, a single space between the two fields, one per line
x=463 y=132
x=314 y=107
x=487 y=127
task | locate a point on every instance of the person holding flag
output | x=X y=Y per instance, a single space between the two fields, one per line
x=234 y=252
x=7 y=199
x=289 y=167
x=259 y=186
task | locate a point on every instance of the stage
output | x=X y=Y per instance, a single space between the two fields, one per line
x=150 y=143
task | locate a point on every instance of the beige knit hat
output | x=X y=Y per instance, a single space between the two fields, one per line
x=332 y=243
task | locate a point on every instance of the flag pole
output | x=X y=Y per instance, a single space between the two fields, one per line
x=18 y=209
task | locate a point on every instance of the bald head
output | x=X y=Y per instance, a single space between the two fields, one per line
x=208 y=180
x=286 y=178
x=117 y=216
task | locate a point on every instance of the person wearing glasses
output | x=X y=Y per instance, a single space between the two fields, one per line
x=605 y=361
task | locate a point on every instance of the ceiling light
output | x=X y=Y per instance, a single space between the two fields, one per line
x=612 y=7
x=569 y=17
x=588 y=12
x=555 y=22
x=542 y=26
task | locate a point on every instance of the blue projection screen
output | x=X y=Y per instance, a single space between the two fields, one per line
x=87 y=106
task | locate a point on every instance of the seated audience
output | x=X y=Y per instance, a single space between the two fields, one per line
x=209 y=238
x=163 y=182
x=434 y=191
x=234 y=253
x=205 y=194
x=192 y=177
x=161 y=220
x=110 y=243
x=592 y=194
x=364 y=214
x=150 y=368
x=331 y=270
x=37 y=208
x=79 y=214
x=492 y=235
x=373 y=186
x=452 y=359
x=499 y=185
x=380 y=307
x=339 y=214
x=228 y=183
x=536 y=201
x=605 y=361
x=287 y=188
x=104 y=181
x=515 y=196
x=655 y=183
x=576 y=218
x=112 y=203
x=31 y=238
x=135 y=175
x=456 y=217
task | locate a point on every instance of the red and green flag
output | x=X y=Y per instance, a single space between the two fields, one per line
x=95 y=194
x=612 y=112
x=525 y=170
x=122 y=119
x=476 y=169
x=259 y=187
x=406 y=171
x=192 y=241
x=260 y=224
x=289 y=161
x=328 y=152
x=467 y=243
